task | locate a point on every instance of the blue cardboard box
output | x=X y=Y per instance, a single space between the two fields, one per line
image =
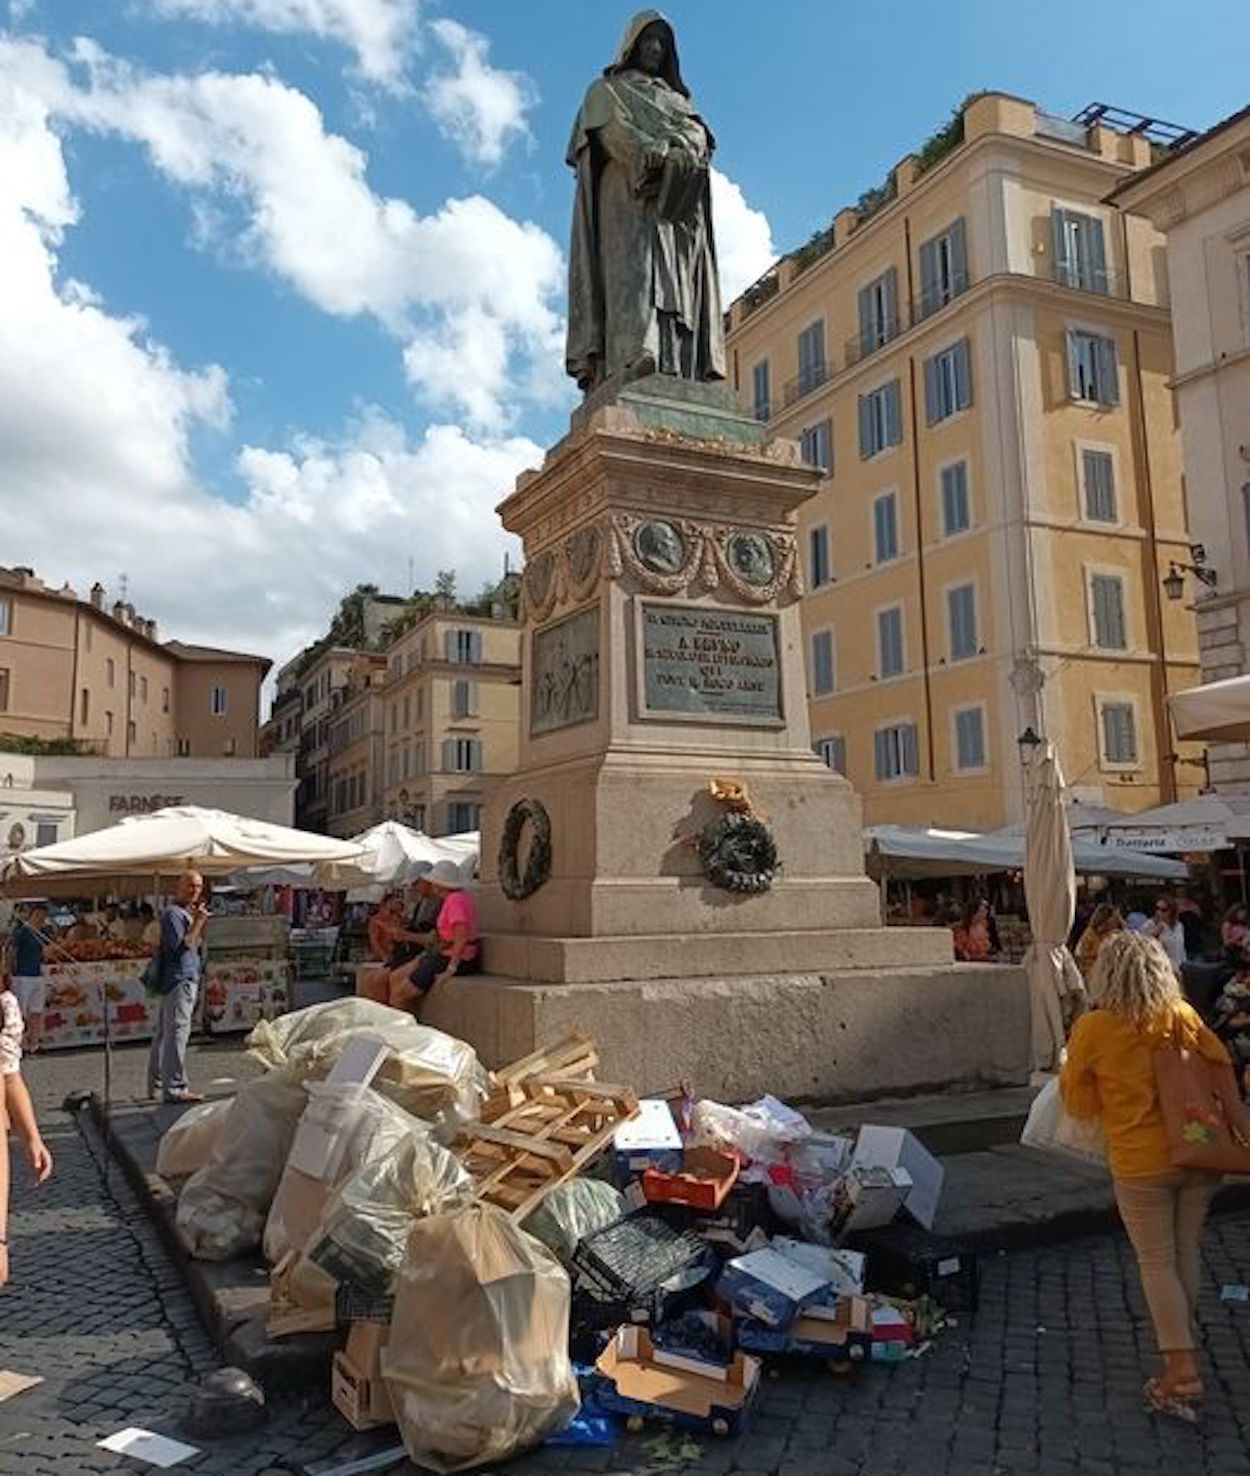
x=633 y=1377
x=768 y=1288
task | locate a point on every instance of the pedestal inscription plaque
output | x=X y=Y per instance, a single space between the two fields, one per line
x=565 y=672
x=699 y=662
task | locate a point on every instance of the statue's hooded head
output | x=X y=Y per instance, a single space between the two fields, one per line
x=626 y=56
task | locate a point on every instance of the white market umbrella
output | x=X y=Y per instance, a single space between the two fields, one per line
x=390 y=855
x=1218 y=712
x=164 y=842
x=1050 y=891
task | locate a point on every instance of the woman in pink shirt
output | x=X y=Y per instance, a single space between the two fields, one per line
x=456 y=949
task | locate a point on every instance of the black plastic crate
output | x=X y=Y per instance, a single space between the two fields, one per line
x=909 y=1261
x=629 y=1262
x=354 y=1303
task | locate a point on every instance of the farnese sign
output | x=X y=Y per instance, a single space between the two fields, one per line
x=141 y=804
x=719 y=665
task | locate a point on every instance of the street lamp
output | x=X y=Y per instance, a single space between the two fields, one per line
x=1174 y=580
x=1029 y=742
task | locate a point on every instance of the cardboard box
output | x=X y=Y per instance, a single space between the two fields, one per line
x=870 y=1196
x=648 y=1141
x=842 y=1333
x=768 y=1288
x=843 y=1269
x=703 y=1183
x=633 y=1377
x=301 y=1297
x=894 y=1147
x=356 y=1384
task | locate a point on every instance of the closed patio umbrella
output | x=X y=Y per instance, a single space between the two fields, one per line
x=1050 y=891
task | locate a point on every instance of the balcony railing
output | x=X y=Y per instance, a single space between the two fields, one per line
x=1101 y=281
x=936 y=298
x=863 y=344
x=810 y=379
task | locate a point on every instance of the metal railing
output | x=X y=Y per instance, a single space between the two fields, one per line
x=810 y=379
x=866 y=342
x=937 y=298
x=1101 y=281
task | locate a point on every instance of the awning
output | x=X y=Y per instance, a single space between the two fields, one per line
x=1211 y=822
x=1218 y=712
x=913 y=852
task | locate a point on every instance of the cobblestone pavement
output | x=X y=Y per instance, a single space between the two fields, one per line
x=1044 y=1382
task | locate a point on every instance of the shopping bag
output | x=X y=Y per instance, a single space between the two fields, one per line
x=1202 y=1111
x=1053 y=1129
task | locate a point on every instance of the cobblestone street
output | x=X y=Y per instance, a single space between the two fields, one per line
x=1046 y=1380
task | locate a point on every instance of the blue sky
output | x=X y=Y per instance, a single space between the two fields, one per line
x=287 y=310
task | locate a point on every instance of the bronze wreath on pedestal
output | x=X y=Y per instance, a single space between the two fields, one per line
x=738 y=853
x=514 y=884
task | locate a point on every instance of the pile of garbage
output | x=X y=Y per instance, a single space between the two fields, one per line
x=536 y=1255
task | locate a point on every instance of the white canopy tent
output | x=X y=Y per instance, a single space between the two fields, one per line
x=1218 y=712
x=391 y=855
x=911 y=853
x=164 y=843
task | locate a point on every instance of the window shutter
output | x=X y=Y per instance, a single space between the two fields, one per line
x=889 y=293
x=1108 y=378
x=910 y=758
x=880 y=744
x=893 y=415
x=963 y=374
x=449 y=755
x=866 y=447
x=1064 y=267
x=1074 y=366
x=1115 y=610
x=475 y=755
x=449 y=645
x=932 y=410
x=929 y=291
x=867 y=324
x=959 y=256
x=1099 y=281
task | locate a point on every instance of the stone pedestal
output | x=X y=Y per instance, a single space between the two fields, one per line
x=662 y=650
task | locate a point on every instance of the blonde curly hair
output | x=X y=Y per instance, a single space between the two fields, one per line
x=1133 y=976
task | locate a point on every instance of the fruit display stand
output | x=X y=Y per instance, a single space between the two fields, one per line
x=247 y=976
x=78 y=992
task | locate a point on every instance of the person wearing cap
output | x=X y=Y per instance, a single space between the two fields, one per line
x=456 y=948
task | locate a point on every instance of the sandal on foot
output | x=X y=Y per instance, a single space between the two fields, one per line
x=1180 y=1403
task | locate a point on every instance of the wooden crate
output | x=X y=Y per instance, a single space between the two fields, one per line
x=575 y=1058
x=554 y=1131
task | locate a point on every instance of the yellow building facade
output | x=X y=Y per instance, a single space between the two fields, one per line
x=982 y=364
x=452 y=711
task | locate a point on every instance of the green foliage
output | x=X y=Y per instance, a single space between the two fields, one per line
x=874 y=199
x=445 y=584
x=818 y=244
x=22 y=743
x=944 y=140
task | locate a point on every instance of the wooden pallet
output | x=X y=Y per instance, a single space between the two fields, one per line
x=575 y=1058
x=551 y=1134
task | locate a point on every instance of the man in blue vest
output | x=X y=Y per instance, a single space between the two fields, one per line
x=178 y=984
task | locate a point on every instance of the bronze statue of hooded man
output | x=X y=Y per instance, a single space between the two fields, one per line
x=644 y=296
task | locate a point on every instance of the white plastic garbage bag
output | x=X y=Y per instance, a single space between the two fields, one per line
x=365 y=1224
x=1053 y=1129
x=477 y=1365
x=573 y=1211
x=760 y=1133
x=432 y=1075
x=189 y=1143
x=222 y=1207
x=343 y=1127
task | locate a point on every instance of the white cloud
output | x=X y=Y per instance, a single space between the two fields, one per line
x=382 y=33
x=470 y=291
x=481 y=108
x=95 y=463
x=744 y=239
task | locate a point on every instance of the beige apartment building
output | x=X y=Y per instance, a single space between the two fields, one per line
x=320 y=682
x=452 y=700
x=1199 y=196
x=980 y=357
x=356 y=741
x=97 y=674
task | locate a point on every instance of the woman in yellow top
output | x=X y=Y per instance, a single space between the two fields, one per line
x=1109 y=1074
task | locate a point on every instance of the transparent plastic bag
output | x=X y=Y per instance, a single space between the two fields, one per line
x=222 y=1207
x=760 y=1133
x=365 y=1225
x=1053 y=1129
x=189 y=1143
x=432 y=1075
x=352 y=1126
x=573 y=1211
x=477 y=1365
